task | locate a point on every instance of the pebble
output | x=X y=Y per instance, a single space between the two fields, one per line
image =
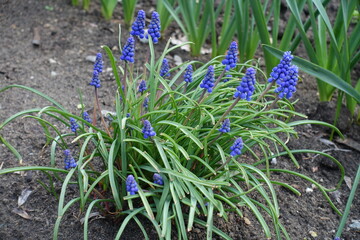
x=178 y=60
x=90 y=58
x=53 y=74
x=355 y=225
x=273 y=161
x=309 y=190
x=51 y=60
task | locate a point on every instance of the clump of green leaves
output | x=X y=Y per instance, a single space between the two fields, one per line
x=161 y=155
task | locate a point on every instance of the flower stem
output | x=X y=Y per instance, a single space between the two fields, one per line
x=222 y=117
x=219 y=78
x=265 y=91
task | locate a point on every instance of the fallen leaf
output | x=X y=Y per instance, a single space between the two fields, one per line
x=21 y=213
x=24 y=196
x=95 y=215
x=348 y=182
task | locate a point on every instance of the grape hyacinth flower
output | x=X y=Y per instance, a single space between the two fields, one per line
x=142 y=86
x=146 y=103
x=154 y=27
x=148 y=130
x=86 y=117
x=128 y=51
x=131 y=185
x=98 y=66
x=287 y=85
x=158 y=179
x=225 y=127
x=247 y=86
x=236 y=147
x=73 y=125
x=139 y=25
x=280 y=71
x=227 y=78
x=231 y=56
x=164 y=71
x=69 y=160
x=188 y=74
x=209 y=79
x=128 y=115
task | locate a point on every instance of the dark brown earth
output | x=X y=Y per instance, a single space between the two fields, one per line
x=58 y=68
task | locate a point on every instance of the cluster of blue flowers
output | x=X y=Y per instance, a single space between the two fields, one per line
x=247 y=86
x=139 y=24
x=148 y=130
x=69 y=160
x=154 y=27
x=237 y=147
x=131 y=185
x=209 y=79
x=98 y=66
x=73 y=125
x=225 y=127
x=158 y=179
x=188 y=74
x=231 y=56
x=287 y=86
x=128 y=52
x=286 y=76
x=142 y=86
x=86 y=117
x=164 y=71
x=146 y=103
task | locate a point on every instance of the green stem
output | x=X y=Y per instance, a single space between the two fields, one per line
x=348 y=204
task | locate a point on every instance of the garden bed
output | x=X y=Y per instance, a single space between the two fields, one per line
x=58 y=67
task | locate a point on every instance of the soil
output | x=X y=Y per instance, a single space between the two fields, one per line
x=58 y=67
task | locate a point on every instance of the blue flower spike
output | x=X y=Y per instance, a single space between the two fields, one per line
x=237 y=147
x=164 y=71
x=146 y=103
x=231 y=57
x=128 y=52
x=209 y=79
x=142 y=86
x=287 y=85
x=131 y=185
x=188 y=78
x=86 y=117
x=148 y=130
x=247 y=86
x=280 y=71
x=73 y=125
x=158 y=179
x=225 y=127
x=154 y=27
x=98 y=66
x=69 y=160
x=139 y=25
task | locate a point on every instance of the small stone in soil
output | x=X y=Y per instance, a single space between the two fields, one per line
x=355 y=225
x=90 y=58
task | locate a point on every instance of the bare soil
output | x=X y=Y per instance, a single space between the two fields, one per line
x=58 y=67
